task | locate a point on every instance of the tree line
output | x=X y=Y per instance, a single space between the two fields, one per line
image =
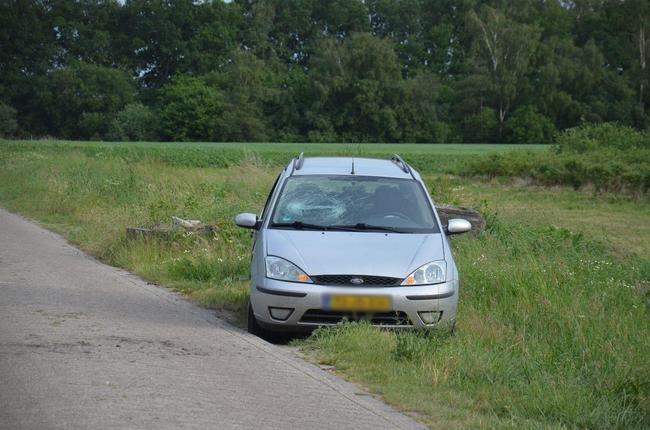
x=321 y=71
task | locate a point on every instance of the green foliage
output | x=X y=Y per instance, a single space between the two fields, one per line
x=135 y=122
x=416 y=110
x=208 y=268
x=304 y=70
x=190 y=110
x=552 y=328
x=480 y=127
x=503 y=51
x=8 y=124
x=354 y=83
x=82 y=100
x=536 y=343
x=605 y=156
x=529 y=126
x=248 y=87
x=591 y=138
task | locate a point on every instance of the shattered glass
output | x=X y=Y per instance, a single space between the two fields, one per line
x=348 y=200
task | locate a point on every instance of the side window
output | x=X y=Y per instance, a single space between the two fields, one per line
x=268 y=199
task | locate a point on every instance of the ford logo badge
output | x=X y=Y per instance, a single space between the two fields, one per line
x=356 y=281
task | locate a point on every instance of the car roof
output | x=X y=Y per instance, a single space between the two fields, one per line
x=343 y=166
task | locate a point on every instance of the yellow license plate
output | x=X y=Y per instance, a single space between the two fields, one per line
x=345 y=302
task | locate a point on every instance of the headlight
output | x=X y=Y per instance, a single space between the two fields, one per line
x=431 y=273
x=281 y=269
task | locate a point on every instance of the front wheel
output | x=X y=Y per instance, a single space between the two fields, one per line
x=253 y=326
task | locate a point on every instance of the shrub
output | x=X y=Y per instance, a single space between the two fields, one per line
x=606 y=156
x=594 y=137
x=134 y=122
x=529 y=126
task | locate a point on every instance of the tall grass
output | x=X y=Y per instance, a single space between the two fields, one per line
x=552 y=331
x=91 y=200
x=552 y=328
x=426 y=157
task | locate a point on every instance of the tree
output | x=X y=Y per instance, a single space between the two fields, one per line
x=190 y=110
x=165 y=38
x=418 y=110
x=502 y=51
x=80 y=101
x=626 y=42
x=247 y=85
x=354 y=84
x=352 y=70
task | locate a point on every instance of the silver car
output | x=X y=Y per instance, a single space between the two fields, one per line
x=350 y=238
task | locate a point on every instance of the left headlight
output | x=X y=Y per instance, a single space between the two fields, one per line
x=283 y=270
x=431 y=273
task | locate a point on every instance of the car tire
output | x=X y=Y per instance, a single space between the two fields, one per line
x=253 y=326
x=256 y=329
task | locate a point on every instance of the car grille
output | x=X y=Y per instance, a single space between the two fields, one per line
x=368 y=281
x=321 y=317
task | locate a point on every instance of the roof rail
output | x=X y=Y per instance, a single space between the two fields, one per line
x=402 y=164
x=297 y=163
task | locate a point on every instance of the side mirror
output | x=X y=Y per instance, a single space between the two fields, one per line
x=247 y=220
x=458 y=225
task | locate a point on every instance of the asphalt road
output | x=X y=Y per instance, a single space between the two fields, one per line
x=85 y=345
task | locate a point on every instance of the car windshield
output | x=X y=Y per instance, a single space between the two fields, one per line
x=354 y=203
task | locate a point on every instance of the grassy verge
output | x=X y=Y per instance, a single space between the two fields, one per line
x=553 y=318
x=552 y=332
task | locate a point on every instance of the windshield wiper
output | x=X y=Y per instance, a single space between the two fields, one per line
x=299 y=225
x=364 y=226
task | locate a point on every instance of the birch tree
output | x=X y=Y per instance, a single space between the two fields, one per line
x=501 y=49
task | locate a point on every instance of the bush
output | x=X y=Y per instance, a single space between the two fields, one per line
x=606 y=156
x=135 y=122
x=8 y=124
x=595 y=137
x=529 y=126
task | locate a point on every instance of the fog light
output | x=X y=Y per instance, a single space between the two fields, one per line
x=280 y=314
x=430 y=317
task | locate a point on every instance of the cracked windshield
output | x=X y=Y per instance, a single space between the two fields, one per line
x=357 y=203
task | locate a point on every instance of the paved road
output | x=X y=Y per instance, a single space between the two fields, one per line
x=85 y=345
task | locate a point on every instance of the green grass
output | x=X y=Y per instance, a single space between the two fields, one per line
x=553 y=319
x=425 y=157
x=603 y=157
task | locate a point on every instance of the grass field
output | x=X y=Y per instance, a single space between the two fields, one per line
x=553 y=316
x=427 y=158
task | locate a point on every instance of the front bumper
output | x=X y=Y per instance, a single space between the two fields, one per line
x=307 y=300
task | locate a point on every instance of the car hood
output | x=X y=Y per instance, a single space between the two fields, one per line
x=354 y=253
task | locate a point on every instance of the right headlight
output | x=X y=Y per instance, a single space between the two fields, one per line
x=431 y=273
x=283 y=270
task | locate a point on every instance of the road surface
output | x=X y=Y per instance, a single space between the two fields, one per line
x=85 y=345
